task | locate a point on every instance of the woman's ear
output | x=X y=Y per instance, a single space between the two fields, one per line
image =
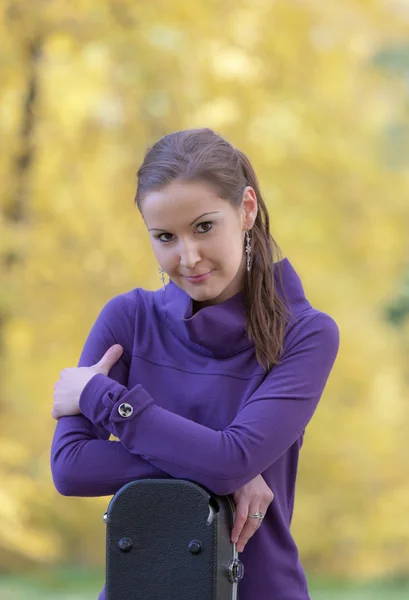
x=250 y=207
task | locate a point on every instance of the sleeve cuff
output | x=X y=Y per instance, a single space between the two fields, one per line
x=102 y=397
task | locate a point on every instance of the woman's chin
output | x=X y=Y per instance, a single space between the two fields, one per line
x=200 y=295
x=202 y=292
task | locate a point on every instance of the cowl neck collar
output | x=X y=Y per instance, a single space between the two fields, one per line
x=219 y=330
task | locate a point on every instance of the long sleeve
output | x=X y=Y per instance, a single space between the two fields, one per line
x=84 y=466
x=83 y=461
x=267 y=424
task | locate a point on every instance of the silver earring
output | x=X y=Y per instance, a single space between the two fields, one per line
x=162 y=274
x=248 y=249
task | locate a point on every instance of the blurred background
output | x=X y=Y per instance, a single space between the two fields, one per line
x=316 y=93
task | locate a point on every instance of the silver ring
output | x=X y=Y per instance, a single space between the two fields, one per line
x=258 y=515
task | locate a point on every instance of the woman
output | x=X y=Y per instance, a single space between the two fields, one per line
x=213 y=377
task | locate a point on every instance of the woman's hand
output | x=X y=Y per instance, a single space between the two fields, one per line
x=69 y=387
x=253 y=497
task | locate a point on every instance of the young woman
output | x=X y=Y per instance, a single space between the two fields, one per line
x=214 y=376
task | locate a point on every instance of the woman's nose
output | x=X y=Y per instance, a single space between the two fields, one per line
x=189 y=255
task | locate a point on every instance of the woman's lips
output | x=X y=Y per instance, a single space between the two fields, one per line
x=199 y=278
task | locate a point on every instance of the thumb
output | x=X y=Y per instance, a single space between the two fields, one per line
x=111 y=356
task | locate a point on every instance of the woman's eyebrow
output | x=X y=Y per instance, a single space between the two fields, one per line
x=192 y=223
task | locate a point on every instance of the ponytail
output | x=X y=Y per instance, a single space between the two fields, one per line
x=267 y=314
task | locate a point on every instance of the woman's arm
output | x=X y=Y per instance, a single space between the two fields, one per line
x=84 y=466
x=270 y=421
x=83 y=461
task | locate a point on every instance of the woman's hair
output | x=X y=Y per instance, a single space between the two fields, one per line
x=202 y=155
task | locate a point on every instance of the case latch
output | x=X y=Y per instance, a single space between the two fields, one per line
x=236 y=570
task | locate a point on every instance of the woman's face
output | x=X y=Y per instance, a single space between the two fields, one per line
x=195 y=232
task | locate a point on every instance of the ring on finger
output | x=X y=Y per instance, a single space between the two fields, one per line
x=257 y=515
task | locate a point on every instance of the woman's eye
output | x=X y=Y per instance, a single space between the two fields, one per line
x=159 y=237
x=205 y=223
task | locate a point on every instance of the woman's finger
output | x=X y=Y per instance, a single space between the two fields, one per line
x=240 y=519
x=250 y=527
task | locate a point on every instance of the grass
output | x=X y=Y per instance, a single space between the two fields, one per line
x=376 y=590
x=57 y=584
x=85 y=584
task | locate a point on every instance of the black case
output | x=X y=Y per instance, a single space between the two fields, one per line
x=170 y=539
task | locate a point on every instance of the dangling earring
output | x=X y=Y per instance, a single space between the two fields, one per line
x=162 y=274
x=248 y=249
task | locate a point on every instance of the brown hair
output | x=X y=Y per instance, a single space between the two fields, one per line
x=202 y=155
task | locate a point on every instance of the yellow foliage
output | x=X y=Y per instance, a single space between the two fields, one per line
x=291 y=84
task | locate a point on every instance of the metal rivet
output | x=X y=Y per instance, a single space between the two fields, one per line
x=125 y=409
x=125 y=544
x=195 y=547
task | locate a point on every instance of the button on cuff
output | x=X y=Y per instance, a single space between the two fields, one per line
x=139 y=400
x=125 y=409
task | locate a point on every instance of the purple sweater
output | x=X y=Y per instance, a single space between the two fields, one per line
x=203 y=409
